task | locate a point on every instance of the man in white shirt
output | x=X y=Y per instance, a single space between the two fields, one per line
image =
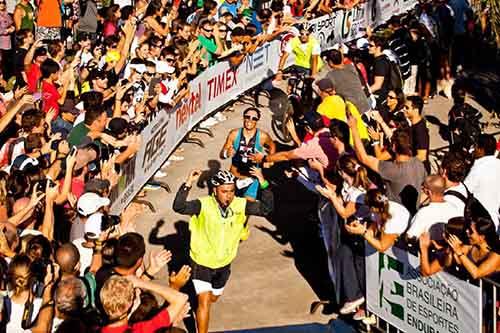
x=438 y=210
x=483 y=179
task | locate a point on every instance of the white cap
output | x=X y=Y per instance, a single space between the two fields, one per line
x=89 y=203
x=163 y=67
x=93 y=224
x=362 y=44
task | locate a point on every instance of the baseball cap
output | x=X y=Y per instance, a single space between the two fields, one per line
x=325 y=84
x=163 y=67
x=362 y=44
x=89 y=203
x=96 y=74
x=23 y=162
x=93 y=224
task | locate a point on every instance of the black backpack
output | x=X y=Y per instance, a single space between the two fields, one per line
x=473 y=209
x=396 y=79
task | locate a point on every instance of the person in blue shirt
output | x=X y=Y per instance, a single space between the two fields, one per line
x=460 y=9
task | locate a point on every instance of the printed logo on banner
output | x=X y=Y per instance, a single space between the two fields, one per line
x=188 y=106
x=155 y=144
x=391 y=297
x=398 y=293
x=220 y=83
x=258 y=59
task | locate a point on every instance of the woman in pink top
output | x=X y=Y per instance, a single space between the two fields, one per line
x=111 y=23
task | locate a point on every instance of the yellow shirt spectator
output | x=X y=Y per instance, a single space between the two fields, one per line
x=333 y=107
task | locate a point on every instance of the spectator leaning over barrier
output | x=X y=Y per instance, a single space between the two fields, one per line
x=481 y=257
x=350 y=205
x=442 y=256
x=435 y=209
x=387 y=221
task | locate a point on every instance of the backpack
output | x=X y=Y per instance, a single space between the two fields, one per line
x=92 y=316
x=395 y=77
x=473 y=209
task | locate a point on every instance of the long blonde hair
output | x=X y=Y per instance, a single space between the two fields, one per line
x=351 y=167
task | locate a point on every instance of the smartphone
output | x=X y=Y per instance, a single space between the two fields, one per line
x=37 y=96
x=73 y=150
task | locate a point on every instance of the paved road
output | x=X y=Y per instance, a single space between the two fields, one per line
x=265 y=288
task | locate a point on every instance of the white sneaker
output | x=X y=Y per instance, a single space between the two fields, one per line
x=350 y=307
x=160 y=174
x=176 y=158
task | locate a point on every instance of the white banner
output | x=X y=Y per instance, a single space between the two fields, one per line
x=399 y=294
x=220 y=84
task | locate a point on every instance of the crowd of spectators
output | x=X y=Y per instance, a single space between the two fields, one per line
x=80 y=79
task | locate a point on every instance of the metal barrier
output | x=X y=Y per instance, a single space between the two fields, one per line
x=490 y=290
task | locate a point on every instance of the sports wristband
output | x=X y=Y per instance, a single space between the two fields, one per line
x=151 y=277
x=264 y=184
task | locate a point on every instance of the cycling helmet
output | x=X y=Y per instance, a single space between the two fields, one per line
x=222 y=177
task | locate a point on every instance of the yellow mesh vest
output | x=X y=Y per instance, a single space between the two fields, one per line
x=215 y=239
x=303 y=59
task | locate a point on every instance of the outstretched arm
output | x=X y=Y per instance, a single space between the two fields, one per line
x=181 y=205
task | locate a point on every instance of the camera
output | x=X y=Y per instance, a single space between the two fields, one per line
x=109 y=221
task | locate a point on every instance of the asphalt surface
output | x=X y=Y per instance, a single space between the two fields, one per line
x=267 y=288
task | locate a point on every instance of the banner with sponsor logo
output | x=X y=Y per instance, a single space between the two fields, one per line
x=347 y=25
x=222 y=83
x=399 y=294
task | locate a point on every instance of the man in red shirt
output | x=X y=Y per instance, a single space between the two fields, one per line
x=52 y=96
x=118 y=300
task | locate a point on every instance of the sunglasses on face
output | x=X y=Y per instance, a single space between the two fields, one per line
x=149 y=74
x=169 y=59
x=208 y=30
x=391 y=97
x=250 y=118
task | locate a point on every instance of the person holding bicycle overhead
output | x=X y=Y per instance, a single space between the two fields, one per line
x=306 y=50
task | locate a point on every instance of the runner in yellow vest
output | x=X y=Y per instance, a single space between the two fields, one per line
x=306 y=50
x=216 y=225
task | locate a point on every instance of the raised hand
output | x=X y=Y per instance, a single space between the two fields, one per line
x=158 y=260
